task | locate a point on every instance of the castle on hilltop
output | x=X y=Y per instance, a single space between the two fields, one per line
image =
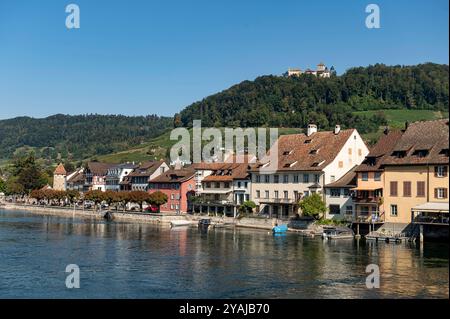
x=321 y=71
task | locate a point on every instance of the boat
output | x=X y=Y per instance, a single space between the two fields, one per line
x=279 y=229
x=204 y=222
x=337 y=233
x=176 y=223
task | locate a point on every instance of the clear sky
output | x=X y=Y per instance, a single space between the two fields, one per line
x=143 y=57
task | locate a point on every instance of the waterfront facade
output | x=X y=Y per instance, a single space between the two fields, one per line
x=339 y=197
x=416 y=173
x=115 y=175
x=139 y=179
x=306 y=163
x=178 y=185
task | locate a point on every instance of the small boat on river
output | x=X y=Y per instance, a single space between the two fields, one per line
x=176 y=223
x=337 y=233
x=278 y=229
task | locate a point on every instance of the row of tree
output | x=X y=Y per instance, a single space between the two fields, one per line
x=113 y=199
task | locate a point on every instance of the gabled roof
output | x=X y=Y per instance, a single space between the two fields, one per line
x=60 y=170
x=381 y=150
x=174 y=176
x=146 y=169
x=98 y=168
x=346 y=181
x=424 y=142
x=299 y=152
x=228 y=172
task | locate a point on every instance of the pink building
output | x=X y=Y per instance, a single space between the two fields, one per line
x=178 y=185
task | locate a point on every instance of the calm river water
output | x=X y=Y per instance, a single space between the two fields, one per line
x=126 y=260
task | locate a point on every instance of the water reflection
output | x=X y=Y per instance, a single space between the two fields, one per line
x=125 y=260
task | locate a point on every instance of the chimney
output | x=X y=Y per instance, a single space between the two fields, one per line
x=386 y=130
x=406 y=125
x=337 y=129
x=312 y=128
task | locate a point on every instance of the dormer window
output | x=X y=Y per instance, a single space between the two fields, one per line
x=371 y=161
x=399 y=154
x=287 y=152
x=315 y=164
x=420 y=153
x=308 y=141
x=312 y=152
x=444 y=152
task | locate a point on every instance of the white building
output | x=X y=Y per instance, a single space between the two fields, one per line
x=116 y=174
x=304 y=165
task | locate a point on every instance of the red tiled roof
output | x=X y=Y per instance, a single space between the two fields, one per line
x=381 y=150
x=174 y=176
x=98 y=168
x=60 y=170
x=424 y=142
x=146 y=168
x=299 y=152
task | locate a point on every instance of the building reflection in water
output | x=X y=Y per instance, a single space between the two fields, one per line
x=121 y=259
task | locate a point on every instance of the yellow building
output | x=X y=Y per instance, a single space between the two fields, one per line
x=416 y=174
x=368 y=195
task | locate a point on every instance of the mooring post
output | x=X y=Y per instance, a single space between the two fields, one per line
x=421 y=233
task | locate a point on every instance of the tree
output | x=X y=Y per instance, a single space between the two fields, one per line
x=27 y=173
x=158 y=198
x=97 y=196
x=313 y=206
x=139 y=197
x=2 y=186
x=246 y=207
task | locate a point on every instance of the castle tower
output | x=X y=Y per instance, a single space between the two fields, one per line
x=59 y=178
x=320 y=67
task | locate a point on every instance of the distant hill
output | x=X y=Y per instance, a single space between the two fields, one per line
x=66 y=137
x=366 y=98
x=277 y=101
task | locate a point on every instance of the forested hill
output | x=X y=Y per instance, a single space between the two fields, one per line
x=77 y=137
x=296 y=101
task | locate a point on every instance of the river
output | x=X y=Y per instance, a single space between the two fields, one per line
x=130 y=260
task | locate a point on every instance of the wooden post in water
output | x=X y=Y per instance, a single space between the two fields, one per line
x=421 y=233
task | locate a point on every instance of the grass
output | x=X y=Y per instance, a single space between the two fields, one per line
x=397 y=118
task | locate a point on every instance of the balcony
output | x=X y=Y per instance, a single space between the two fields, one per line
x=369 y=218
x=276 y=200
x=367 y=200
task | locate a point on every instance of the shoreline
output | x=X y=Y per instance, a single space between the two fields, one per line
x=140 y=217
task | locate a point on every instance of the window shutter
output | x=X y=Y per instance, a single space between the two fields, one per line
x=435 y=171
x=445 y=192
x=435 y=193
x=445 y=171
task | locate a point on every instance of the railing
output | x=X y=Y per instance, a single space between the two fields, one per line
x=277 y=200
x=432 y=219
x=369 y=218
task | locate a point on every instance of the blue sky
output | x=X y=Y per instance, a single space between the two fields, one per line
x=144 y=57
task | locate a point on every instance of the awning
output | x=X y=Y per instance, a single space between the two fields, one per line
x=432 y=207
x=366 y=188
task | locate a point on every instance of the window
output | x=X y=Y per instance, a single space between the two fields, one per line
x=332 y=178
x=305 y=178
x=306 y=194
x=276 y=194
x=296 y=195
x=258 y=179
x=227 y=185
x=359 y=152
x=440 y=171
x=172 y=196
x=341 y=164
x=316 y=178
x=171 y=206
x=217 y=185
x=267 y=194
x=267 y=178
x=286 y=195
x=239 y=184
x=406 y=189
x=365 y=176
x=247 y=197
x=285 y=179
x=335 y=209
x=440 y=193
x=393 y=188
x=295 y=178
x=258 y=194
x=377 y=176
x=276 y=179
x=394 y=211
x=346 y=192
x=350 y=151
x=177 y=206
x=420 y=189
x=349 y=210
x=335 y=192
x=208 y=185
